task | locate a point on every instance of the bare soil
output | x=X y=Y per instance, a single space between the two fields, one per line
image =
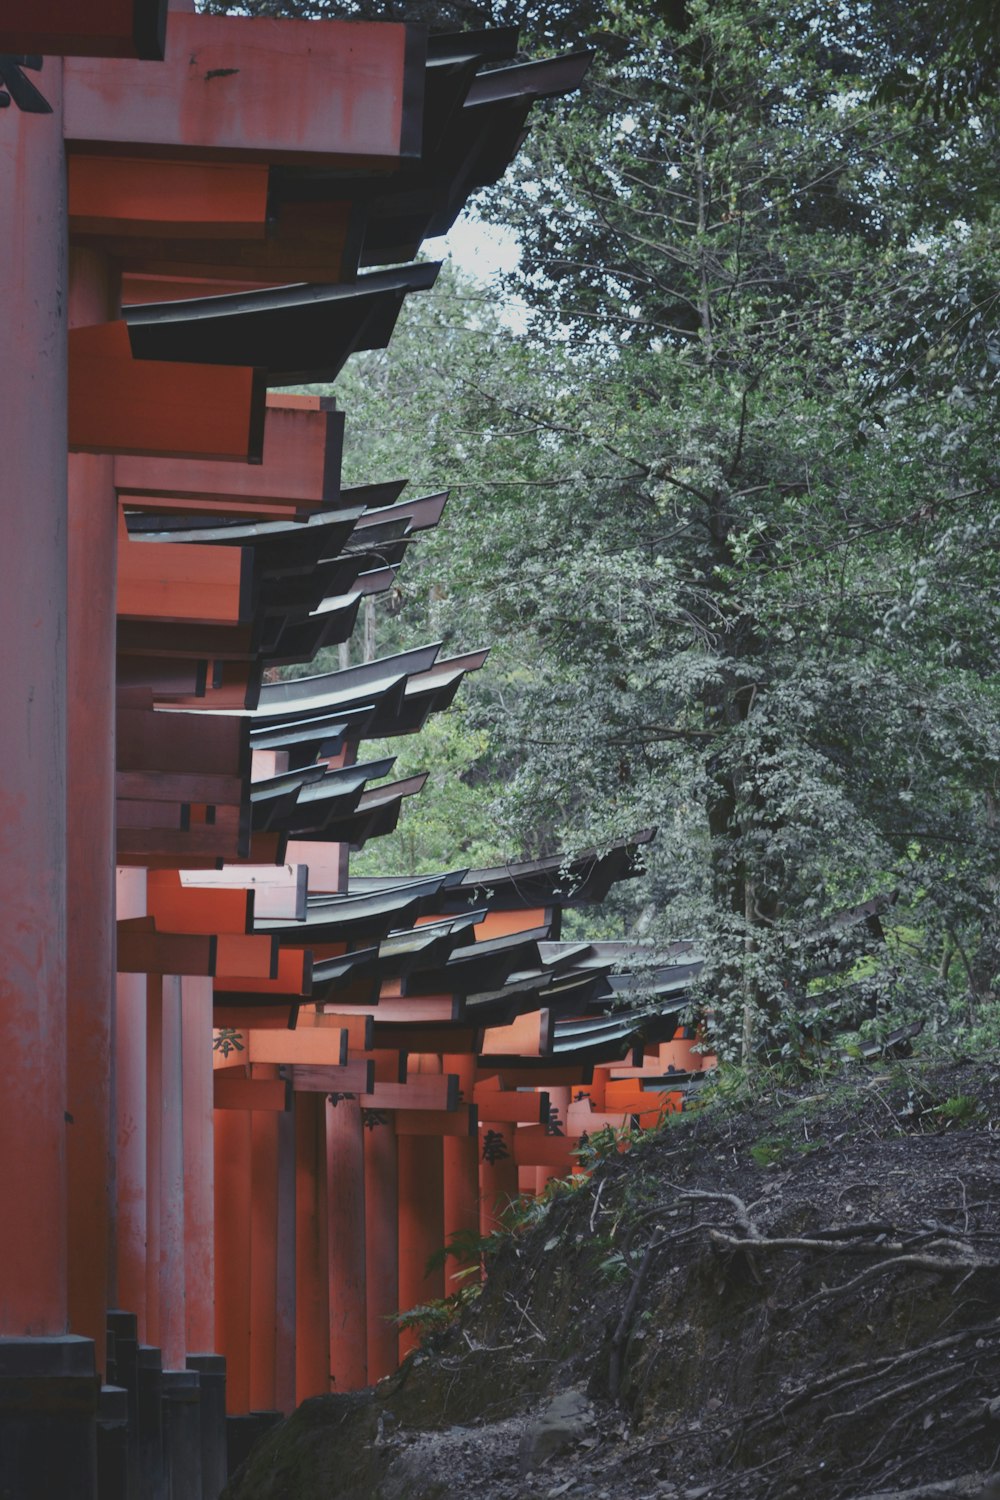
x=791 y=1295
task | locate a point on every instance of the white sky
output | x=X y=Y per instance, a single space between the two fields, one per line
x=481 y=250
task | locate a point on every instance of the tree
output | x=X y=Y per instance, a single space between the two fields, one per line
x=766 y=417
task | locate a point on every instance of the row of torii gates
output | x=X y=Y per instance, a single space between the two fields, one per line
x=246 y=1097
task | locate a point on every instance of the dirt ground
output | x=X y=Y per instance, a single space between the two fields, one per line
x=796 y=1294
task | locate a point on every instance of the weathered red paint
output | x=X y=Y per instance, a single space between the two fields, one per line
x=118 y=404
x=263 y=1259
x=130 y=1117
x=381 y=1248
x=130 y=196
x=298 y=466
x=33 y=283
x=199 y=1165
x=345 y=1166
x=312 y=1290
x=172 y=1249
x=274 y=90
x=233 y=1157
x=421 y=1226
x=90 y=851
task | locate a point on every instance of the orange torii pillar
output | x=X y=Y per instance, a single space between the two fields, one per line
x=460 y=1154
x=170 y=1274
x=263 y=1260
x=154 y=1107
x=90 y=850
x=130 y=1117
x=498 y=1186
x=284 y=1371
x=421 y=1226
x=345 y=1166
x=312 y=1286
x=47 y=1391
x=199 y=1165
x=381 y=1243
x=233 y=1237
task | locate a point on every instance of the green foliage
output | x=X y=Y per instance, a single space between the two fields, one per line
x=960 y=1111
x=757 y=602
x=451 y=822
x=770 y=1150
x=440 y=1313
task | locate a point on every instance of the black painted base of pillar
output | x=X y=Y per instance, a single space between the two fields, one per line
x=48 y=1411
x=182 y=1433
x=149 y=1424
x=112 y=1444
x=123 y=1370
x=243 y=1433
x=211 y=1370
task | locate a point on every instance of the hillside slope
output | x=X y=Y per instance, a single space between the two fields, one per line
x=796 y=1295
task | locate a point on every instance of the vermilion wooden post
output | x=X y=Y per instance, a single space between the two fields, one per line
x=170 y=1271
x=461 y=1170
x=33 y=1296
x=154 y=1092
x=232 y=1251
x=345 y=1165
x=381 y=1245
x=263 y=1260
x=312 y=1292
x=130 y=1117
x=497 y=1173
x=284 y=1363
x=199 y=1165
x=421 y=1226
x=90 y=850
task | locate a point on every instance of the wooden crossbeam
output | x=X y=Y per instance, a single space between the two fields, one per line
x=194 y=744
x=245 y=957
x=166 y=786
x=278 y=892
x=299 y=467
x=419 y=1009
x=462 y=1121
x=353 y=1078
x=259 y=1017
x=628 y=1097
x=305 y=242
x=185 y=584
x=118 y=404
x=293 y=978
x=417 y=1038
x=438 y=1091
x=360 y=1029
x=169 y=847
x=529 y=1035
x=390 y=1066
x=509 y=1076
x=131 y=196
x=179 y=909
x=512 y=1106
x=534 y=1147
x=312 y=1046
x=233 y=1090
x=143 y=950
x=319 y=92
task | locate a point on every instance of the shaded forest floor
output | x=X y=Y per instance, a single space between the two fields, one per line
x=793 y=1295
